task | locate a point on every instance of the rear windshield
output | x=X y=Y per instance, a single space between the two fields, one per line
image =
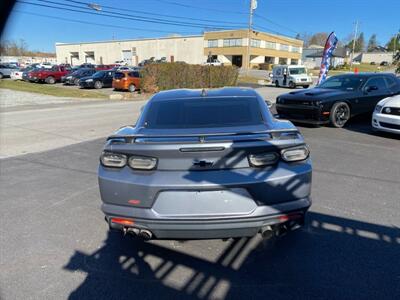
x=201 y=113
x=119 y=75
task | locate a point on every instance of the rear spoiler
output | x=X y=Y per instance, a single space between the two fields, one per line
x=204 y=138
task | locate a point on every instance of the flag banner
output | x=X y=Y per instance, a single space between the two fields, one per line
x=330 y=46
x=253 y=4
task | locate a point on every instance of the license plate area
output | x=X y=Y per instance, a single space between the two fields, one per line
x=198 y=204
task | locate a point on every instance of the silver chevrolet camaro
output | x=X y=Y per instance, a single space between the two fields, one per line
x=205 y=164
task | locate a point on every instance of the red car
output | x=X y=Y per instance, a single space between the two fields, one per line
x=51 y=75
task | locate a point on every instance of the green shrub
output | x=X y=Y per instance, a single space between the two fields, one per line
x=158 y=77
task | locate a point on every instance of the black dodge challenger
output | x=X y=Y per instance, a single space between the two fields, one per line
x=338 y=98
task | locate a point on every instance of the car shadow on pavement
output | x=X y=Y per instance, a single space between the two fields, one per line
x=362 y=124
x=332 y=257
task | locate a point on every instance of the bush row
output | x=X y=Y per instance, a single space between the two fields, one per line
x=165 y=76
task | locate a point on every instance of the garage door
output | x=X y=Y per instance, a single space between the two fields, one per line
x=127 y=56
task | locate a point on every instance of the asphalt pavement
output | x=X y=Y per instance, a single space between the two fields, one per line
x=54 y=243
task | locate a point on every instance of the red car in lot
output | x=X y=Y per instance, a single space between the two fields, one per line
x=51 y=75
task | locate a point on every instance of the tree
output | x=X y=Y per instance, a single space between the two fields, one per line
x=372 y=43
x=360 y=43
x=318 y=38
x=394 y=43
x=396 y=61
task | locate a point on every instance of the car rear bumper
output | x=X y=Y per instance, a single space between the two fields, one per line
x=215 y=227
x=386 y=122
x=231 y=203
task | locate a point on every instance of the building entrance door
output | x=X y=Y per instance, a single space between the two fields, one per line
x=237 y=60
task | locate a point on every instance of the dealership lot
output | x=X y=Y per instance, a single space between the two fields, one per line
x=55 y=243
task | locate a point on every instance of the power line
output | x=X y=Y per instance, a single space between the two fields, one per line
x=122 y=16
x=201 y=7
x=128 y=15
x=155 y=14
x=94 y=23
x=275 y=23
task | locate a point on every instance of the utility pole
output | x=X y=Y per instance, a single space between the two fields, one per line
x=354 y=44
x=253 y=5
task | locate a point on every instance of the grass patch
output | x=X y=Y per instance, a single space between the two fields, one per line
x=52 y=90
x=248 y=80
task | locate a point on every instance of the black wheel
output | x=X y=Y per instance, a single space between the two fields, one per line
x=305 y=86
x=76 y=81
x=1 y=75
x=340 y=114
x=50 y=80
x=98 y=84
x=292 y=85
x=132 y=88
x=276 y=83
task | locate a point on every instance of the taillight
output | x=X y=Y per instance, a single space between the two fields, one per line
x=295 y=153
x=122 y=221
x=142 y=163
x=114 y=160
x=263 y=159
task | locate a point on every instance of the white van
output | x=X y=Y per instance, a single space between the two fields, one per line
x=290 y=76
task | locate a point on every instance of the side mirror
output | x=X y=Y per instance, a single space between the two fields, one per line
x=269 y=103
x=371 y=88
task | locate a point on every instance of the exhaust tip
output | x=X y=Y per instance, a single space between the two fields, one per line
x=145 y=234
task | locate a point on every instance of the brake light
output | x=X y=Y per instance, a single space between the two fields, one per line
x=122 y=221
x=288 y=217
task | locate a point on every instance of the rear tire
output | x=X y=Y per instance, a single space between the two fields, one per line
x=76 y=81
x=340 y=114
x=1 y=75
x=276 y=83
x=132 y=88
x=98 y=85
x=50 y=80
x=292 y=85
x=306 y=86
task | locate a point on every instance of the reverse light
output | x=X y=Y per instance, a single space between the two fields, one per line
x=295 y=154
x=263 y=159
x=142 y=163
x=114 y=160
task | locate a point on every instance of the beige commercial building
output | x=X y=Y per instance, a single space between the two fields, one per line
x=229 y=47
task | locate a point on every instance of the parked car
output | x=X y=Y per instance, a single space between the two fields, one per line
x=73 y=78
x=103 y=67
x=205 y=164
x=290 y=76
x=126 y=80
x=48 y=75
x=5 y=70
x=98 y=80
x=337 y=99
x=213 y=62
x=17 y=74
x=386 y=116
x=373 y=63
x=384 y=63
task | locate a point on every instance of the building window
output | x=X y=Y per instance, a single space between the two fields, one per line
x=212 y=43
x=270 y=45
x=295 y=49
x=255 y=43
x=284 y=47
x=232 y=42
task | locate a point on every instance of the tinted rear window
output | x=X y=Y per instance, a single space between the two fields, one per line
x=119 y=75
x=207 y=112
